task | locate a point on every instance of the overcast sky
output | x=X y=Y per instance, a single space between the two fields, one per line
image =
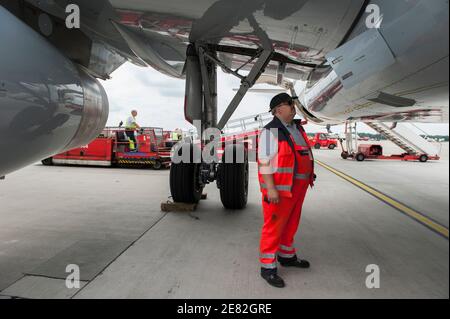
x=159 y=100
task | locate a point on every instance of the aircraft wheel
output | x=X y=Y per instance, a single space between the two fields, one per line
x=233 y=179
x=185 y=181
x=47 y=161
x=360 y=157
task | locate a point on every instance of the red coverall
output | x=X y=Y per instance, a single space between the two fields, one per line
x=281 y=220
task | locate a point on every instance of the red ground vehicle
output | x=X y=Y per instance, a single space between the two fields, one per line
x=369 y=151
x=323 y=140
x=112 y=148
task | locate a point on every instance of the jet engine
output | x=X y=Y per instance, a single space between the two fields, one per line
x=48 y=104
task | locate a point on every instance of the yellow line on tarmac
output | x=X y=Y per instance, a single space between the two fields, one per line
x=434 y=226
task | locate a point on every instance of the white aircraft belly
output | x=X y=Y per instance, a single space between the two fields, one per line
x=303 y=30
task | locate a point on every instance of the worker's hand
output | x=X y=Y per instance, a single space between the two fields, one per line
x=273 y=196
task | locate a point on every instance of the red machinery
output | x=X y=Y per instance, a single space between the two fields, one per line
x=112 y=148
x=323 y=140
x=249 y=139
x=374 y=151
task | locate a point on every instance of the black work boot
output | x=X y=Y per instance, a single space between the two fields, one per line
x=293 y=262
x=270 y=275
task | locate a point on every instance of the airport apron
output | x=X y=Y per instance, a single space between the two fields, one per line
x=282 y=220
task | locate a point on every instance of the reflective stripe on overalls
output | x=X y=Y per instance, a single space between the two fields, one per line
x=281 y=220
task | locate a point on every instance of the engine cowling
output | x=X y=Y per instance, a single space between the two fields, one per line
x=48 y=104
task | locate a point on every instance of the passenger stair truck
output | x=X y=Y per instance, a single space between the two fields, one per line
x=245 y=130
x=248 y=123
x=415 y=146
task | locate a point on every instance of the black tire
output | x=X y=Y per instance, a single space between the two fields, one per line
x=157 y=165
x=344 y=155
x=47 y=161
x=317 y=146
x=233 y=179
x=360 y=157
x=332 y=146
x=185 y=181
x=423 y=158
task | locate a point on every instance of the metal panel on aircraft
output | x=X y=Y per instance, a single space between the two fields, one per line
x=360 y=58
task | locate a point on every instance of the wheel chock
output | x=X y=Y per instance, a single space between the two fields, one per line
x=177 y=207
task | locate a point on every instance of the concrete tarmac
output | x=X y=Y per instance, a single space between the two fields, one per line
x=108 y=222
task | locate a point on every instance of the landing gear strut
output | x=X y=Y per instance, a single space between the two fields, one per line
x=187 y=180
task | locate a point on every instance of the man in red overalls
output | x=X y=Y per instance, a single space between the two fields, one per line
x=286 y=170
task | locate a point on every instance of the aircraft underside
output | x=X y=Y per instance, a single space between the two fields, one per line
x=50 y=99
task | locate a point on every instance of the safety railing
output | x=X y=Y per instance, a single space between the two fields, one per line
x=247 y=124
x=158 y=136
